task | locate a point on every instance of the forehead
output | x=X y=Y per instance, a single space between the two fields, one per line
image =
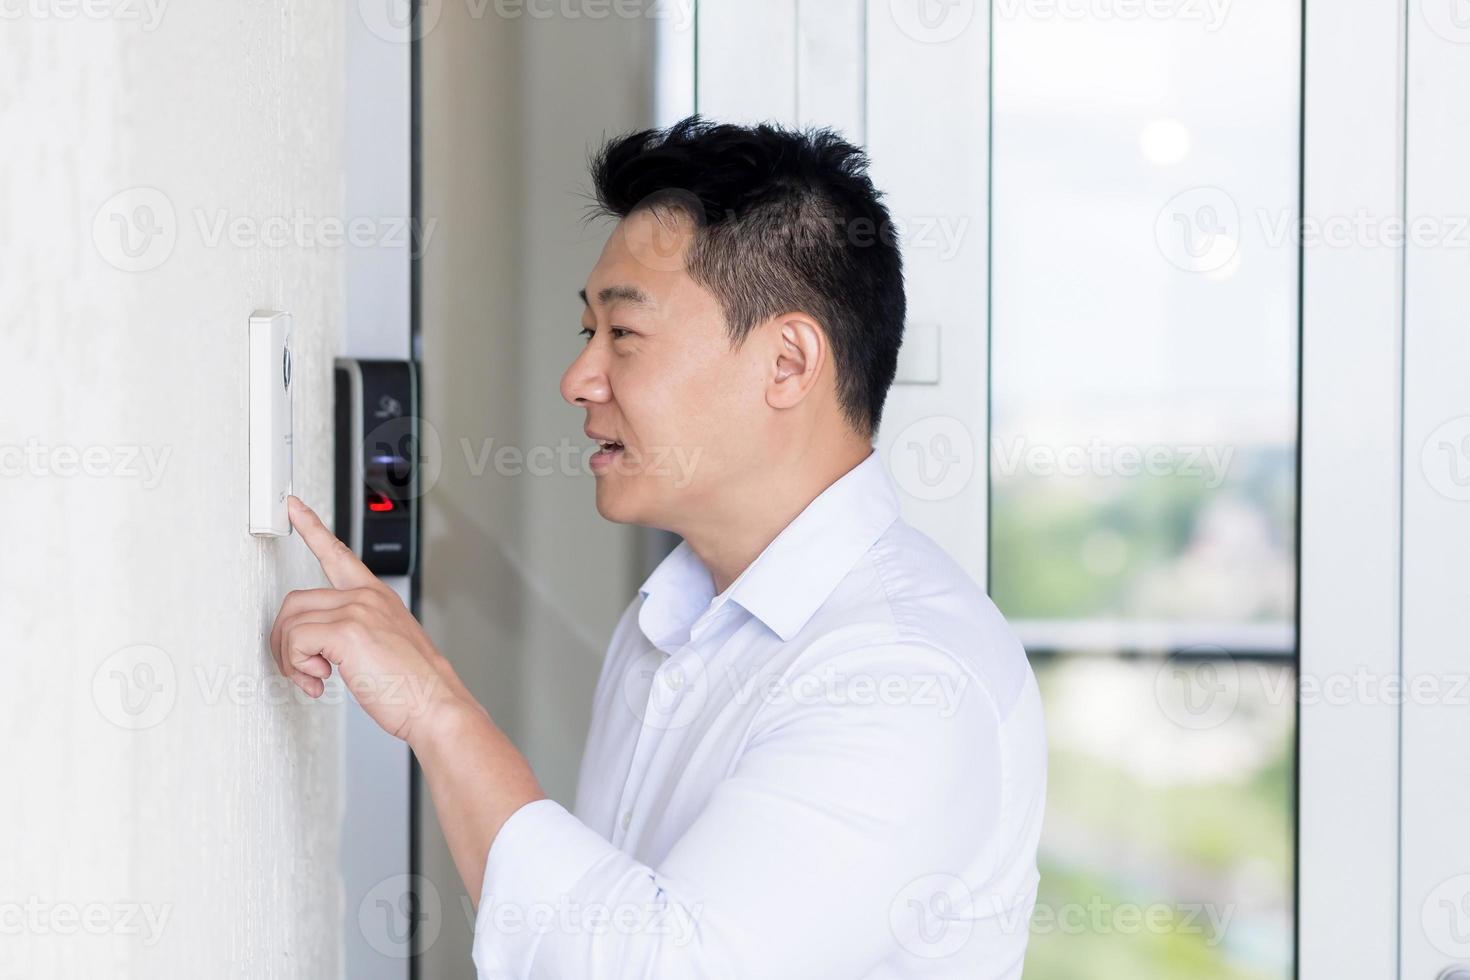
x=643 y=262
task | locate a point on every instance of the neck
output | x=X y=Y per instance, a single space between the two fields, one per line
x=732 y=536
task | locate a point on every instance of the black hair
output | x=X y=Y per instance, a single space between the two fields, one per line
x=785 y=221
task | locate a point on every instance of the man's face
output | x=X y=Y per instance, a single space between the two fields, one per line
x=658 y=376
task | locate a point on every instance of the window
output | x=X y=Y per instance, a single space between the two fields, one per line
x=1144 y=325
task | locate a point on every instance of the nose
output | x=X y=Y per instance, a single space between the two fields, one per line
x=585 y=380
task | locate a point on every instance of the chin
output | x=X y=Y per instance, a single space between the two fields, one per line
x=621 y=505
x=616 y=505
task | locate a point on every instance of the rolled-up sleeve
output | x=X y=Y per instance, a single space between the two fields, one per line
x=800 y=865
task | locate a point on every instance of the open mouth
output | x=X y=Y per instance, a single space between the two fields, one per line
x=605 y=455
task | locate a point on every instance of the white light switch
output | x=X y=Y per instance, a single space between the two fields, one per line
x=270 y=422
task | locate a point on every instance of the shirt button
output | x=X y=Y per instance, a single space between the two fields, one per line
x=627 y=818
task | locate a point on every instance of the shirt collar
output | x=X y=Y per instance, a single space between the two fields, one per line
x=788 y=581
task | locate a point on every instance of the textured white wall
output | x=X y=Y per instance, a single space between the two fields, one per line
x=168 y=809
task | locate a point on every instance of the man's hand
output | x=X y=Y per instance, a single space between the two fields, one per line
x=362 y=628
x=475 y=775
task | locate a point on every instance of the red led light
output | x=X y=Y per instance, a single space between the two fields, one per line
x=378 y=503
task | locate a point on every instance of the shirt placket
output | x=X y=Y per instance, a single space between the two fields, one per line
x=665 y=714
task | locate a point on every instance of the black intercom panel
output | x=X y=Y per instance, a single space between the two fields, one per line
x=378 y=462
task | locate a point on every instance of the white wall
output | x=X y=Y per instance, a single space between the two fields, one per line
x=522 y=580
x=215 y=807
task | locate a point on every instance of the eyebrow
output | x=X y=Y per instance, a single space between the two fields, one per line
x=615 y=294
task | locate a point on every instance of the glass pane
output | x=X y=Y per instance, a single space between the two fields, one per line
x=1144 y=332
x=1167 y=849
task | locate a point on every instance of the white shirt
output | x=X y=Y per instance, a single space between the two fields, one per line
x=833 y=769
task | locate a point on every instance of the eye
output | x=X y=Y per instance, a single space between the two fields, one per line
x=617 y=332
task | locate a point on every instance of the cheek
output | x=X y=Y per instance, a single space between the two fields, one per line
x=694 y=401
x=649 y=401
x=660 y=400
x=722 y=431
x=703 y=408
x=733 y=395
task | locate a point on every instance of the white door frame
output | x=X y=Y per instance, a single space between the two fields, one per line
x=1435 y=739
x=1351 y=454
x=1384 y=877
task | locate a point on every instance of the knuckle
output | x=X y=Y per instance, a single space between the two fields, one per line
x=372 y=613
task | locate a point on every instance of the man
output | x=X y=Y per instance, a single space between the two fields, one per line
x=816 y=748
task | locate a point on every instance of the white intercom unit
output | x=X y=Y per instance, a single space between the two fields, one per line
x=270 y=422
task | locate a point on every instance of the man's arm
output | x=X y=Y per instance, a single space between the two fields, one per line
x=849 y=831
x=476 y=778
x=844 y=827
x=361 y=627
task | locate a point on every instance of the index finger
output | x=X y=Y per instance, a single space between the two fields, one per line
x=343 y=568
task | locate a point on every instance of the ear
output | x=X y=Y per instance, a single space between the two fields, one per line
x=798 y=351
